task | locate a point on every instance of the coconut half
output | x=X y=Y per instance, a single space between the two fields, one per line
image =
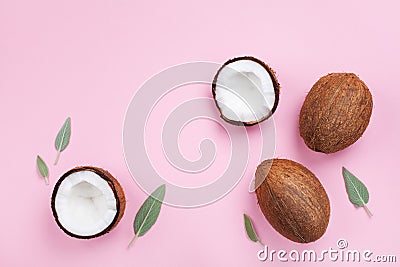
x=87 y=202
x=246 y=91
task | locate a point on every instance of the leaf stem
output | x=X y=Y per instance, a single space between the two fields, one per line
x=132 y=241
x=57 y=157
x=368 y=211
x=261 y=244
x=46 y=179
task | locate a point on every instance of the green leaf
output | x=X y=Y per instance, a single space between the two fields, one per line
x=356 y=190
x=248 y=225
x=62 y=139
x=148 y=213
x=42 y=167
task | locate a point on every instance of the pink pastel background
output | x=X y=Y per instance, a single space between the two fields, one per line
x=86 y=58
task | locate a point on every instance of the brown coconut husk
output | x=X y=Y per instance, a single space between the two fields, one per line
x=335 y=113
x=292 y=200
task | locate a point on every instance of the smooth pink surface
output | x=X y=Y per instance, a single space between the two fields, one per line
x=85 y=59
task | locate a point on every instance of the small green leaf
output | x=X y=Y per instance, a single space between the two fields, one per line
x=148 y=213
x=62 y=139
x=43 y=170
x=251 y=233
x=249 y=229
x=356 y=190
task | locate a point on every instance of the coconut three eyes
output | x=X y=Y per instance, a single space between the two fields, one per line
x=246 y=91
x=292 y=200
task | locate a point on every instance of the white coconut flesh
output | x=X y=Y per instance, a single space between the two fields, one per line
x=244 y=91
x=85 y=204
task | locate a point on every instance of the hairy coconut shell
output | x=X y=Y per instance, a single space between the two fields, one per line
x=292 y=200
x=275 y=83
x=335 y=113
x=116 y=188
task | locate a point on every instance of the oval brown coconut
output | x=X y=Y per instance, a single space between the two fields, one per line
x=292 y=200
x=85 y=192
x=269 y=77
x=335 y=113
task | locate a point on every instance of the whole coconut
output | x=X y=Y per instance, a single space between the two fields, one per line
x=292 y=200
x=335 y=113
